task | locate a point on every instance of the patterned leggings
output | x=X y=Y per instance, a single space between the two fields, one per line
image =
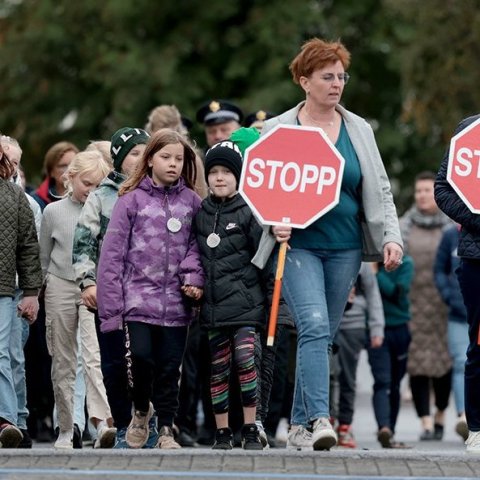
x=221 y=341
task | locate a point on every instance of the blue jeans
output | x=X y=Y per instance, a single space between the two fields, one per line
x=379 y=359
x=18 y=339
x=397 y=339
x=457 y=345
x=316 y=284
x=8 y=396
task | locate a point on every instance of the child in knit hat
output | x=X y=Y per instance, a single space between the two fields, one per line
x=234 y=305
x=126 y=149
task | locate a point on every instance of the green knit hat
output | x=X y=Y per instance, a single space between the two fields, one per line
x=244 y=137
x=123 y=141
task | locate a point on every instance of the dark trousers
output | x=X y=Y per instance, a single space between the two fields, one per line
x=350 y=343
x=469 y=279
x=420 y=385
x=189 y=394
x=157 y=354
x=266 y=363
x=397 y=340
x=114 y=370
x=38 y=366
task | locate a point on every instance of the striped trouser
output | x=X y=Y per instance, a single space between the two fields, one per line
x=222 y=341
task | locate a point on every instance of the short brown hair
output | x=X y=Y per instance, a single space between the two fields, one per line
x=315 y=54
x=426 y=175
x=55 y=153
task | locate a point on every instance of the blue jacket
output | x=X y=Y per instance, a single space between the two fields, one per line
x=446 y=262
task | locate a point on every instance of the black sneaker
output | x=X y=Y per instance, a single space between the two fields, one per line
x=26 y=441
x=77 y=437
x=251 y=437
x=223 y=439
x=185 y=439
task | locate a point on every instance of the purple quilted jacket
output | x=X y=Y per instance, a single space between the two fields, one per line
x=143 y=264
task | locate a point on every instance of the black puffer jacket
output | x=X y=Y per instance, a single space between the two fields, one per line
x=234 y=294
x=19 y=251
x=450 y=203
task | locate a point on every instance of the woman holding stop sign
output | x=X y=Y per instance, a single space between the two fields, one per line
x=324 y=258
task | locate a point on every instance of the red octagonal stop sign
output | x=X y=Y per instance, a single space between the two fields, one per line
x=463 y=172
x=292 y=175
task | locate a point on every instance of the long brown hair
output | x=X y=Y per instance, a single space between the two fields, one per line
x=7 y=169
x=158 y=140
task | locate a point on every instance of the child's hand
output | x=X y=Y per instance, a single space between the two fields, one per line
x=89 y=297
x=192 y=292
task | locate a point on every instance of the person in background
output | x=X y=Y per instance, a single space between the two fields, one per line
x=19 y=254
x=102 y=146
x=257 y=119
x=395 y=291
x=57 y=160
x=168 y=116
x=37 y=359
x=446 y=281
x=468 y=273
x=126 y=148
x=148 y=275
x=220 y=119
x=429 y=363
x=20 y=326
x=362 y=327
x=66 y=314
x=324 y=259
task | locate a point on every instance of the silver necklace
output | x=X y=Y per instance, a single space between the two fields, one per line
x=328 y=124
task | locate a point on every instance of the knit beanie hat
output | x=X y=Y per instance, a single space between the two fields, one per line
x=224 y=153
x=244 y=137
x=123 y=141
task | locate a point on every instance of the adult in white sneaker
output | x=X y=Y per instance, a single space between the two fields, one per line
x=324 y=258
x=468 y=273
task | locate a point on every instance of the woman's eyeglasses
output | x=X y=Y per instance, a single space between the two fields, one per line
x=342 y=77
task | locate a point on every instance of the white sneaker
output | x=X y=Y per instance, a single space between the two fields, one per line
x=281 y=434
x=105 y=437
x=473 y=442
x=64 y=440
x=138 y=430
x=262 y=434
x=323 y=435
x=299 y=438
x=166 y=440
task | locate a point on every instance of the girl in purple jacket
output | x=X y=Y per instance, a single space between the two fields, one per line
x=149 y=267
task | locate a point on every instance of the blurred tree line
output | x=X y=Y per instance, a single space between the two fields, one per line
x=80 y=70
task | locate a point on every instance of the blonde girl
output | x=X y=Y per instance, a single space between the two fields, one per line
x=65 y=312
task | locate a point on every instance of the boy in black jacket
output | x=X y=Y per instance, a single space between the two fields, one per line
x=234 y=300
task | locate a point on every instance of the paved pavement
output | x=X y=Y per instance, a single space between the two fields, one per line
x=432 y=460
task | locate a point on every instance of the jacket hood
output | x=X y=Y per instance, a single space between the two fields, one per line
x=113 y=180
